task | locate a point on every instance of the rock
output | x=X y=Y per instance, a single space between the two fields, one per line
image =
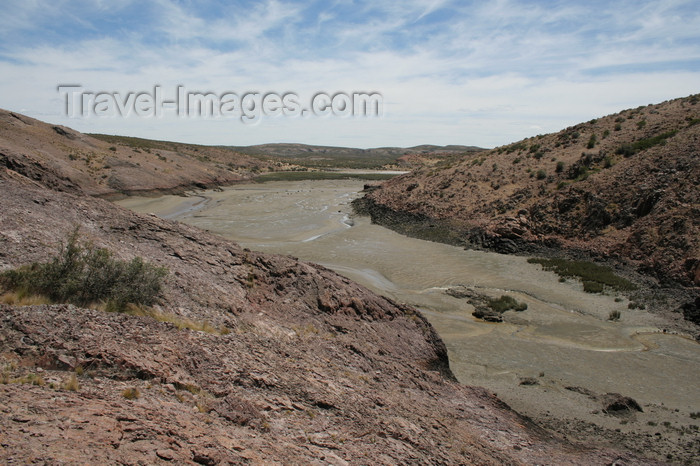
x=237 y=410
x=487 y=314
x=167 y=454
x=616 y=404
x=691 y=310
x=461 y=292
x=528 y=381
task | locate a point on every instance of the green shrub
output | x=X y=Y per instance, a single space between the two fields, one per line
x=591 y=141
x=82 y=274
x=505 y=303
x=541 y=174
x=592 y=287
x=594 y=277
x=629 y=150
x=581 y=173
x=560 y=167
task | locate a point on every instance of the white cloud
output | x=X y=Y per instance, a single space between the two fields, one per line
x=487 y=76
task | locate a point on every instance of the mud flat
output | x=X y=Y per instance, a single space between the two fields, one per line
x=552 y=362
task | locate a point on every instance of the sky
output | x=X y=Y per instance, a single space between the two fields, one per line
x=448 y=72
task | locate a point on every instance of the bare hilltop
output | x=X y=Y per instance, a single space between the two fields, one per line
x=244 y=358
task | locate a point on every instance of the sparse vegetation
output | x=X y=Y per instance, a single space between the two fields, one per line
x=82 y=274
x=629 y=150
x=592 y=286
x=179 y=322
x=505 y=303
x=131 y=393
x=594 y=277
x=581 y=173
x=591 y=141
x=71 y=384
x=29 y=379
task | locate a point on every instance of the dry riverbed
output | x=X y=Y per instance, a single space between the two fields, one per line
x=552 y=362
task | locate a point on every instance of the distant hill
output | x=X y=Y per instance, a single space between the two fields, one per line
x=347 y=157
x=624 y=186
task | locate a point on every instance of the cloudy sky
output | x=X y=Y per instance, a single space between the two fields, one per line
x=450 y=72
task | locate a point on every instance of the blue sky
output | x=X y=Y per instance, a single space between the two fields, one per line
x=450 y=72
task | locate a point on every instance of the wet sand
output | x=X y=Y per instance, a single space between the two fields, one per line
x=562 y=340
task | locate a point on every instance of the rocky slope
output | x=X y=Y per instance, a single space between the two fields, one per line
x=623 y=186
x=51 y=153
x=292 y=363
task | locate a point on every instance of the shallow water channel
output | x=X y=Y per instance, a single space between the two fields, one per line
x=562 y=339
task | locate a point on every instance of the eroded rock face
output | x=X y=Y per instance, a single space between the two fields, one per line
x=266 y=392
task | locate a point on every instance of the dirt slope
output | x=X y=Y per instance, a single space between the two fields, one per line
x=623 y=186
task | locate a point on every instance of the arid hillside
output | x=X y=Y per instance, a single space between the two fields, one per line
x=623 y=186
x=245 y=357
x=106 y=167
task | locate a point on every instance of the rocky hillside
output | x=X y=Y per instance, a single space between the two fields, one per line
x=60 y=156
x=623 y=186
x=247 y=357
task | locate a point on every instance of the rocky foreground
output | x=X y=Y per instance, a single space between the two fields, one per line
x=288 y=363
x=622 y=188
